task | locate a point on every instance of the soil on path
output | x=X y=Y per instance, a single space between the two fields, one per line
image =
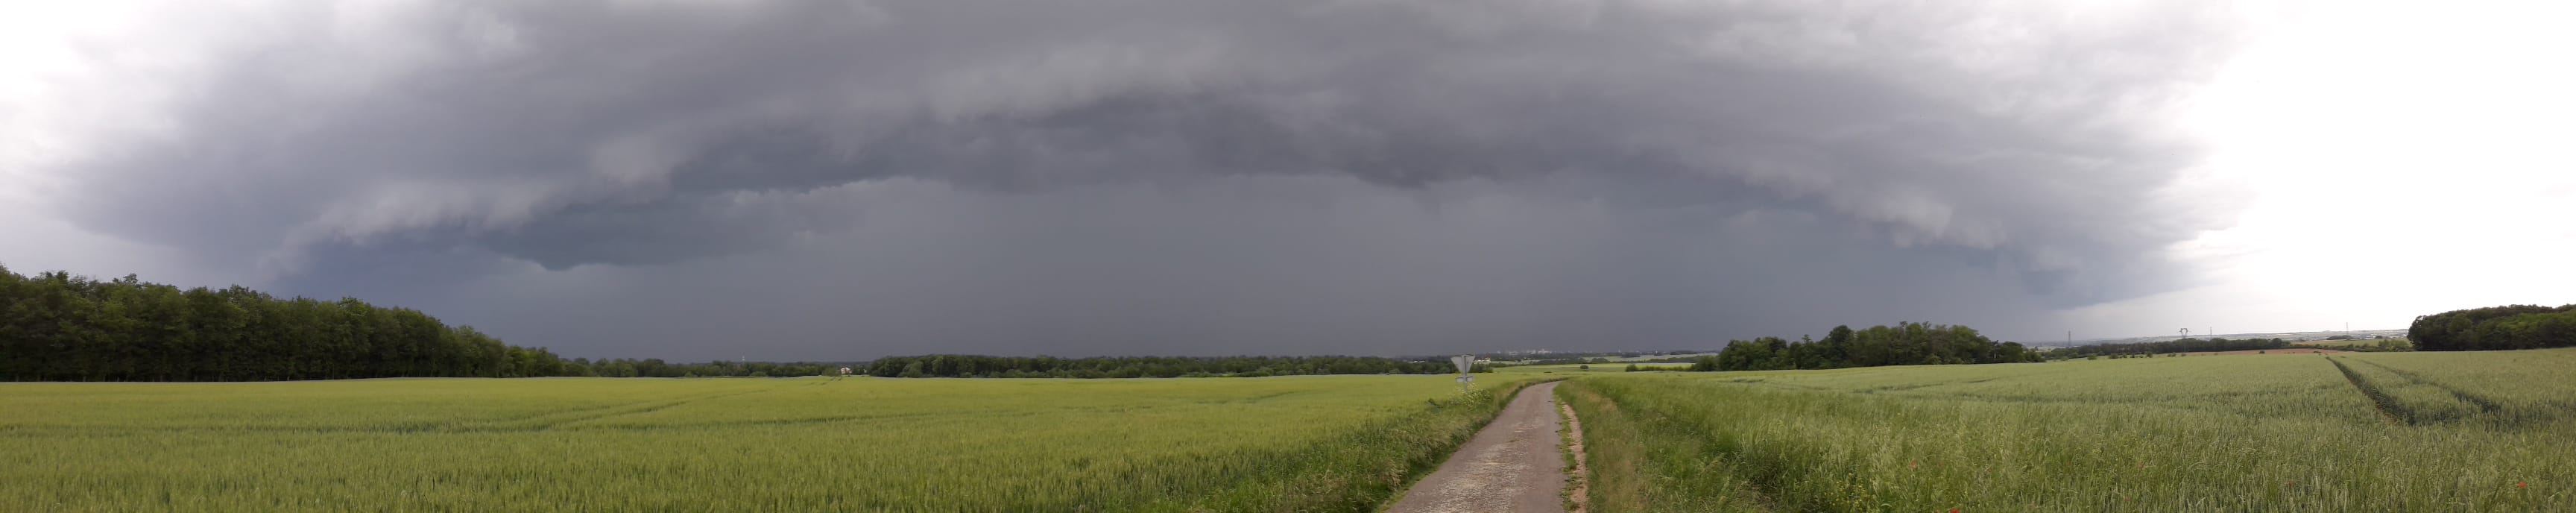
x=1513 y=465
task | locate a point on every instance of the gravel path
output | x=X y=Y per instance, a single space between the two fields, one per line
x=1511 y=466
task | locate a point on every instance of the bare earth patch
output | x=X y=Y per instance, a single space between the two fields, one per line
x=1578 y=482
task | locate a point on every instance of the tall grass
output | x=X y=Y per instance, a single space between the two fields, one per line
x=2218 y=433
x=1341 y=443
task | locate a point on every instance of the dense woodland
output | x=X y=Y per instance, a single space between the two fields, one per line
x=1910 y=343
x=58 y=327
x=2187 y=345
x=973 y=366
x=2499 y=327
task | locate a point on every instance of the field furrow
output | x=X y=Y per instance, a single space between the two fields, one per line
x=2387 y=406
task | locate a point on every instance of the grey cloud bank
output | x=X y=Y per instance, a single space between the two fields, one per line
x=843 y=180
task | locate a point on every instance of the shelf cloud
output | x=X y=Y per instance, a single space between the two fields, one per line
x=848 y=179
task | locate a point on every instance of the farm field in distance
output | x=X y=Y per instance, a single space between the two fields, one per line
x=2430 y=431
x=1280 y=443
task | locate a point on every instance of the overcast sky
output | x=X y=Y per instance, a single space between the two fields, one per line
x=785 y=180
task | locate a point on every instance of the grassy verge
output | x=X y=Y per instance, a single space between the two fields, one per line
x=1578 y=479
x=1649 y=466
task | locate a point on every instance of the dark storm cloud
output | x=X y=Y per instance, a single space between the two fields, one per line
x=1310 y=264
x=2030 y=144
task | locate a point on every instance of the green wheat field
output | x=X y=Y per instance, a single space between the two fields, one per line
x=1304 y=443
x=2433 y=431
x=2468 y=431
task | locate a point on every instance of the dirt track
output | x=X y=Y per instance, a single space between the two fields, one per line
x=1513 y=465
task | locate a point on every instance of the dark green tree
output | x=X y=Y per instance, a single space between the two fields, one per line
x=59 y=327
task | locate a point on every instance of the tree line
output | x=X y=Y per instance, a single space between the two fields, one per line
x=1907 y=343
x=2185 y=345
x=656 y=368
x=58 y=327
x=1565 y=358
x=2495 y=327
x=55 y=326
x=977 y=366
